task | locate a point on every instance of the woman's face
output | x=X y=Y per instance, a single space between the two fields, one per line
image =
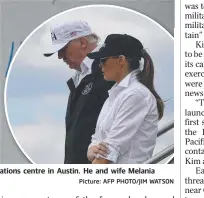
x=111 y=68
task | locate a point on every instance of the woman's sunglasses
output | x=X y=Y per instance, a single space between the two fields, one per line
x=103 y=60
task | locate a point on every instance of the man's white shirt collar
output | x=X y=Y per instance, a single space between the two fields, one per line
x=85 y=69
x=87 y=62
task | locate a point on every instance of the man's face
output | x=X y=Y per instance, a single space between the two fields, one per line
x=72 y=54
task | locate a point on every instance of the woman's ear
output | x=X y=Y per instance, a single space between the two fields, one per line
x=122 y=60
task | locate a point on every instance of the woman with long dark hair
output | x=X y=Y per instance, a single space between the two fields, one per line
x=127 y=126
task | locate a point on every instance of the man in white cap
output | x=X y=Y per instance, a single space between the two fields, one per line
x=88 y=89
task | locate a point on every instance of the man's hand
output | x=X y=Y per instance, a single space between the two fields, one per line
x=101 y=149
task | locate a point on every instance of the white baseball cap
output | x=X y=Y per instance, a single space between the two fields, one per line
x=63 y=34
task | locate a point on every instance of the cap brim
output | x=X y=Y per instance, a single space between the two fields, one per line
x=102 y=53
x=47 y=55
x=54 y=48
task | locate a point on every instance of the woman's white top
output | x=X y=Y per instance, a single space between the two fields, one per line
x=128 y=122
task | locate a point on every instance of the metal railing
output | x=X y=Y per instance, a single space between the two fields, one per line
x=161 y=155
x=166 y=128
x=171 y=161
x=167 y=151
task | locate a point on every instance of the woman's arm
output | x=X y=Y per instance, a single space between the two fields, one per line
x=127 y=122
x=100 y=161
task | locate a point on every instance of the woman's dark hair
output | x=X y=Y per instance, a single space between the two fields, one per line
x=146 y=77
